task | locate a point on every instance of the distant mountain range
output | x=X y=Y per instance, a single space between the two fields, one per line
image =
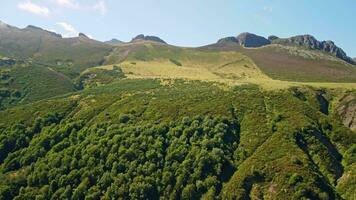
x=14 y=35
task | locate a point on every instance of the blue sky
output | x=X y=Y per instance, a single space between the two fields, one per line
x=188 y=22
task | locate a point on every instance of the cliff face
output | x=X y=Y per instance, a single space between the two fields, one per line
x=246 y=40
x=307 y=41
x=312 y=43
x=347 y=111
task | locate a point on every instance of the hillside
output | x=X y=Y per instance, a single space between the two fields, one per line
x=141 y=139
x=245 y=118
x=69 y=55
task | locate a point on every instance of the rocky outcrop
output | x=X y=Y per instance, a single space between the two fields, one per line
x=82 y=35
x=252 y=40
x=347 y=111
x=142 y=37
x=310 y=42
x=246 y=40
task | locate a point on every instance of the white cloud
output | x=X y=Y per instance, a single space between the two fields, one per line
x=70 y=31
x=99 y=5
x=28 y=6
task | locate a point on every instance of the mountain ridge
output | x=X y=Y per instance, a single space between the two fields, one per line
x=251 y=40
x=143 y=37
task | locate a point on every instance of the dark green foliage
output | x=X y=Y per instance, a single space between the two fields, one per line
x=176 y=62
x=137 y=139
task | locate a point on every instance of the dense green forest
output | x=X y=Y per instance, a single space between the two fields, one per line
x=140 y=139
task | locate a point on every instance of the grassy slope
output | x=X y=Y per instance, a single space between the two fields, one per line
x=277 y=142
x=152 y=60
x=294 y=64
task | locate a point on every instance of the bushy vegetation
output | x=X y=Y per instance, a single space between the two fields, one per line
x=23 y=84
x=96 y=76
x=137 y=139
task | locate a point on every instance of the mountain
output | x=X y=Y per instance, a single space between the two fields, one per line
x=83 y=119
x=70 y=54
x=252 y=40
x=142 y=37
x=309 y=41
x=247 y=40
x=114 y=42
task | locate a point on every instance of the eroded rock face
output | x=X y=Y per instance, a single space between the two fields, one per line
x=312 y=43
x=252 y=40
x=246 y=40
x=347 y=111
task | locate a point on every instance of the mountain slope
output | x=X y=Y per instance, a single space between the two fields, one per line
x=141 y=139
x=72 y=54
x=309 y=41
x=293 y=63
x=24 y=84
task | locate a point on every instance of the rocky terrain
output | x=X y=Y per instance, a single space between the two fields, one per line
x=305 y=41
x=142 y=37
x=309 y=41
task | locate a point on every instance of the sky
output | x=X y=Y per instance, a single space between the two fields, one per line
x=188 y=22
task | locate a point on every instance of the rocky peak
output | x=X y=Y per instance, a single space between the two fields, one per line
x=252 y=40
x=311 y=42
x=82 y=35
x=148 y=38
x=246 y=40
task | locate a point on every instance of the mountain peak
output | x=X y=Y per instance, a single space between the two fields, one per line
x=251 y=40
x=246 y=40
x=82 y=35
x=148 y=38
x=311 y=42
x=114 y=42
